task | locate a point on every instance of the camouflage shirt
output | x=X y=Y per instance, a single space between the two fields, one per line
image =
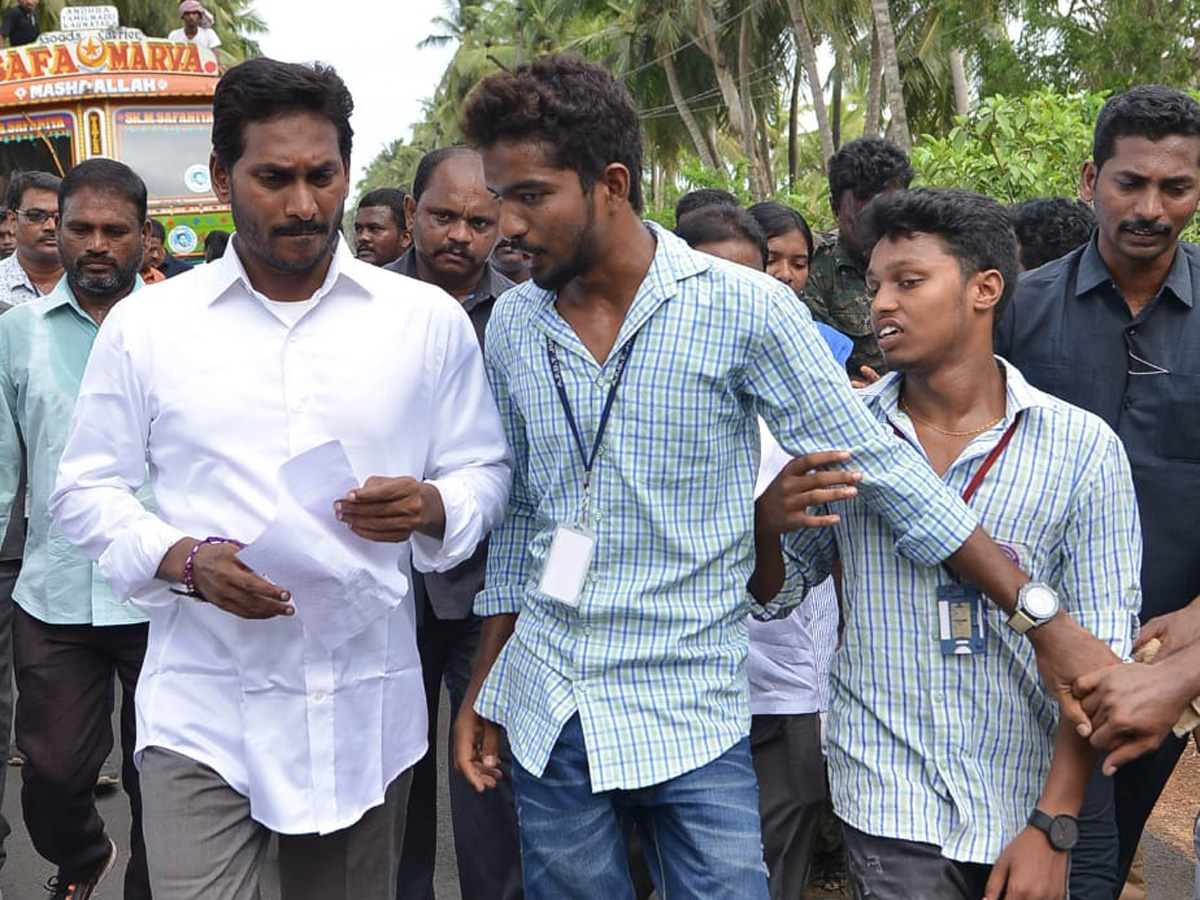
x=836 y=293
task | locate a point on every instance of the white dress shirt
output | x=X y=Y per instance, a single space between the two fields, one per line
x=199 y=379
x=788 y=662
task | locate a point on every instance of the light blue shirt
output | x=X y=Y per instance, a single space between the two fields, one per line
x=44 y=348
x=653 y=658
x=954 y=750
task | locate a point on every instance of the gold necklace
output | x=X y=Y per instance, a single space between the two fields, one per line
x=909 y=413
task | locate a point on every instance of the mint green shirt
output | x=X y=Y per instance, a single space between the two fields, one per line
x=44 y=348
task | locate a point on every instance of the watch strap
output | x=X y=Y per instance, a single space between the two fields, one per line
x=1020 y=622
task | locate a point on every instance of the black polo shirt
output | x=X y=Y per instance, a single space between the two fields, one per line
x=20 y=26
x=1071 y=334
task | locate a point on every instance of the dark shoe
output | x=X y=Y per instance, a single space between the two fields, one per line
x=107 y=782
x=61 y=888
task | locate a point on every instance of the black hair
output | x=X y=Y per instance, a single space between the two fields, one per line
x=391 y=198
x=26 y=181
x=776 y=219
x=215 y=243
x=1150 y=110
x=429 y=163
x=584 y=116
x=701 y=197
x=258 y=90
x=1050 y=227
x=974 y=229
x=158 y=230
x=866 y=167
x=108 y=176
x=721 y=222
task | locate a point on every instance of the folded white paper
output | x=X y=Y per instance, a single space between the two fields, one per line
x=340 y=583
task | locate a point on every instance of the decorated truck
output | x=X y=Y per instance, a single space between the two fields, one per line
x=95 y=88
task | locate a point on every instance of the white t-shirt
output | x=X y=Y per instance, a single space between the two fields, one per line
x=205 y=37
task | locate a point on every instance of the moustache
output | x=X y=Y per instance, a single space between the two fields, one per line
x=455 y=250
x=299 y=229
x=1140 y=224
x=516 y=245
x=92 y=258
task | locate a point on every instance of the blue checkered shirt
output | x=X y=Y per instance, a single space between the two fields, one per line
x=653 y=658
x=954 y=750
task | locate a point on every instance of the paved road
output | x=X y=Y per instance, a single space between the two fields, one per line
x=25 y=872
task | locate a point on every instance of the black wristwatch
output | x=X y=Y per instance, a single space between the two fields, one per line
x=1063 y=831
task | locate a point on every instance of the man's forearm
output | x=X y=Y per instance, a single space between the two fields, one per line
x=496 y=632
x=981 y=561
x=1070 y=769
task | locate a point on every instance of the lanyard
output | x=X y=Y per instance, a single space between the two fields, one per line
x=588 y=460
x=989 y=460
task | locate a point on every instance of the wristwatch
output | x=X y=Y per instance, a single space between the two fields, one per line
x=1063 y=831
x=1037 y=604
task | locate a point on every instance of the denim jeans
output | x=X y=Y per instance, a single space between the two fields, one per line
x=700 y=831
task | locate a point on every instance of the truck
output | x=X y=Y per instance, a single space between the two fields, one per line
x=96 y=88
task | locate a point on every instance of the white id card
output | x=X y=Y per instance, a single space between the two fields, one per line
x=567 y=564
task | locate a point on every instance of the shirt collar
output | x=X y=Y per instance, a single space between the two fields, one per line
x=1019 y=393
x=228 y=271
x=1093 y=273
x=62 y=296
x=491 y=285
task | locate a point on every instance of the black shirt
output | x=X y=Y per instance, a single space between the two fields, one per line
x=451 y=594
x=20 y=26
x=1071 y=334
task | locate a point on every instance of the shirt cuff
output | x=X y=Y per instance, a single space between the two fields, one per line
x=499 y=601
x=1116 y=627
x=131 y=562
x=462 y=534
x=937 y=534
x=799 y=578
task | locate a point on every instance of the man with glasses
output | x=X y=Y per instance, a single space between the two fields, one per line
x=34 y=269
x=1111 y=327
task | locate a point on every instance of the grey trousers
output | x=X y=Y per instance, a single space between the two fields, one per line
x=203 y=845
x=786 y=750
x=893 y=869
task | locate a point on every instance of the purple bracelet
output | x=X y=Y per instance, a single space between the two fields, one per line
x=189 y=565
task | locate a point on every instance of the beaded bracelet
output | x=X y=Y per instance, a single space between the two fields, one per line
x=189 y=565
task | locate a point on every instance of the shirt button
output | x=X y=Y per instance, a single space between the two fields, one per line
x=1126 y=403
x=1132 y=332
x=319 y=697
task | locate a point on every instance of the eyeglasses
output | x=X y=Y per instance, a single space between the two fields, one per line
x=37 y=216
x=1140 y=366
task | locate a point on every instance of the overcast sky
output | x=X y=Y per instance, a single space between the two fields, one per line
x=374 y=48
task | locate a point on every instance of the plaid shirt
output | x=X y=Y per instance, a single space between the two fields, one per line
x=652 y=660
x=954 y=750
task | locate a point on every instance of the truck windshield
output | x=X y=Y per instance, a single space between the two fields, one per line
x=169 y=148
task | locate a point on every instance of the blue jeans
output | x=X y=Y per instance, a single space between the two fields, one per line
x=700 y=831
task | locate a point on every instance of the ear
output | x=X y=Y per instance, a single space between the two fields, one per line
x=615 y=182
x=410 y=211
x=219 y=176
x=1087 y=181
x=985 y=289
x=146 y=233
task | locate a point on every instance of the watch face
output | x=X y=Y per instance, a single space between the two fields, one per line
x=1040 y=602
x=1064 y=832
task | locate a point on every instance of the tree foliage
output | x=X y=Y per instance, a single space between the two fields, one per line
x=235 y=21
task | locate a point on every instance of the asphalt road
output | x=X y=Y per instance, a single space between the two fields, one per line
x=1169 y=874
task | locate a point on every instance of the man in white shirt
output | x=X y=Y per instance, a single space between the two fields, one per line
x=276 y=706
x=197 y=26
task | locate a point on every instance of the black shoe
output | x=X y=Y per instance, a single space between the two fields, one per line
x=61 y=888
x=107 y=782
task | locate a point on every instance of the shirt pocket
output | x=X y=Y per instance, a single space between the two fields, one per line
x=1179 y=419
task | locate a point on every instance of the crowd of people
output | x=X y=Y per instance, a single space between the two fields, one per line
x=711 y=535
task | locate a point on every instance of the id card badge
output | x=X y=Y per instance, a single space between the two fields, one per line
x=960 y=618
x=567 y=564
